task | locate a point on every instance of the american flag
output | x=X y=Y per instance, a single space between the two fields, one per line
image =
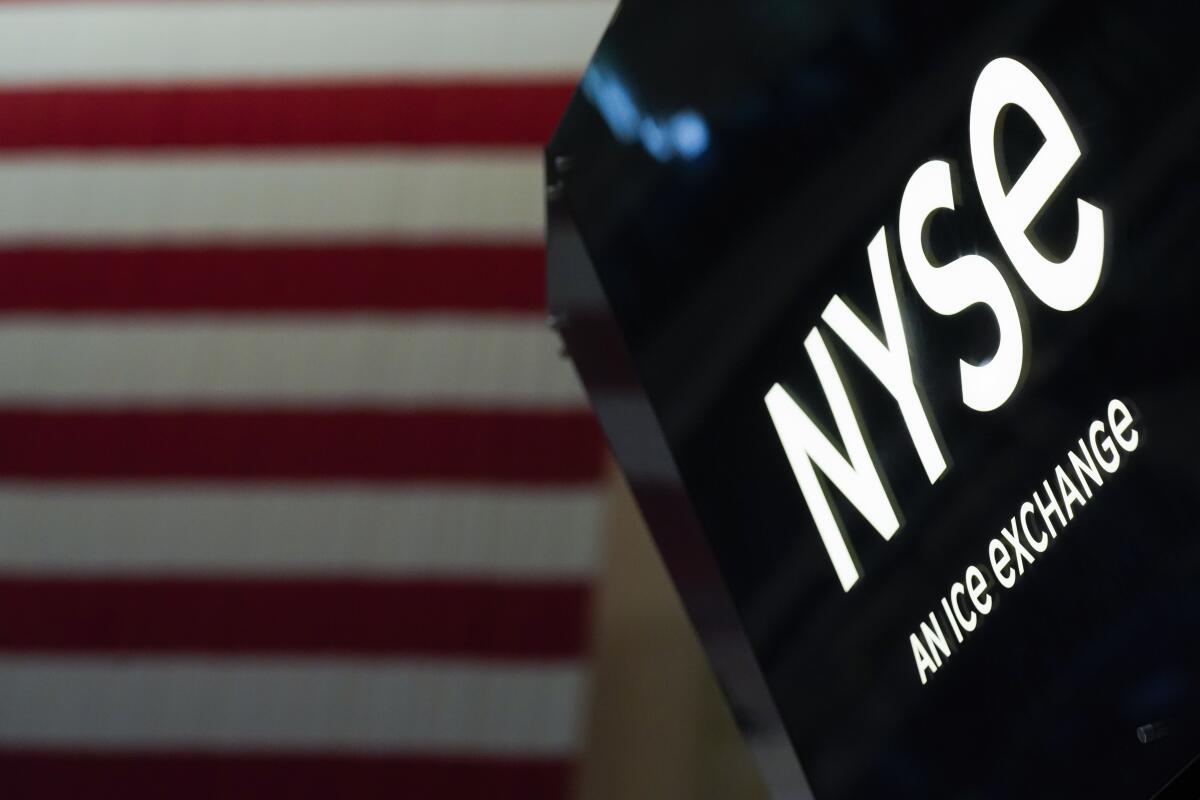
x=297 y=498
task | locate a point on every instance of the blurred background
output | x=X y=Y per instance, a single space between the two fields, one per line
x=297 y=496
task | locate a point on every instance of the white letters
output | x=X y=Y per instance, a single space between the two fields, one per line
x=1001 y=564
x=1104 y=445
x=962 y=283
x=950 y=289
x=858 y=479
x=889 y=359
x=1085 y=466
x=1008 y=565
x=1119 y=419
x=925 y=664
x=1041 y=544
x=1070 y=495
x=1051 y=504
x=935 y=640
x=977 y=589
x=1063 y=286
x=1022 y=555
x=968 y=623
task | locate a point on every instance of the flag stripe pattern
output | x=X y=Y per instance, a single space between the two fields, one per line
x=367 y=276
x=449 y=113
x=265 y=444
x=453 y=707
x=475 y=618
x=201 y=775
x=400 y=530
x=413 y=360
x=297 y=496
x=364 y=195
x=167 y=42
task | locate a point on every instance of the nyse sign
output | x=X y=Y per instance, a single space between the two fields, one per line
x=1063 y=283
x=954 y=248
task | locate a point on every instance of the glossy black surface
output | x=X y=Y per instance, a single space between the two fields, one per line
x=717 y=180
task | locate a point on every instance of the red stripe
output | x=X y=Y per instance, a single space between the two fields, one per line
x=526 y=447
x=443 y=113
x=240 y=278
x=193 y=776
x=451 y=618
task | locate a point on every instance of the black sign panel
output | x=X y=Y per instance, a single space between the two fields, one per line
x=888 y=310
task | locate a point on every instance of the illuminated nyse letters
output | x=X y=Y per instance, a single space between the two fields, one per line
x=1067 y=285
x=859 y=479
x=889 y=359
x=964 y=282
x=948 y=289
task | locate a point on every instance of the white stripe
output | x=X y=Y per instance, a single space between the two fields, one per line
x=303 y=196
x=417 y=531
x=455 y=361
x=163 y=704
x=89 y=42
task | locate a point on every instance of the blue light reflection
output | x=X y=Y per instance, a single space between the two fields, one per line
x=683 y=135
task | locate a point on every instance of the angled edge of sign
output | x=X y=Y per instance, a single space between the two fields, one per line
x=580 y=312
